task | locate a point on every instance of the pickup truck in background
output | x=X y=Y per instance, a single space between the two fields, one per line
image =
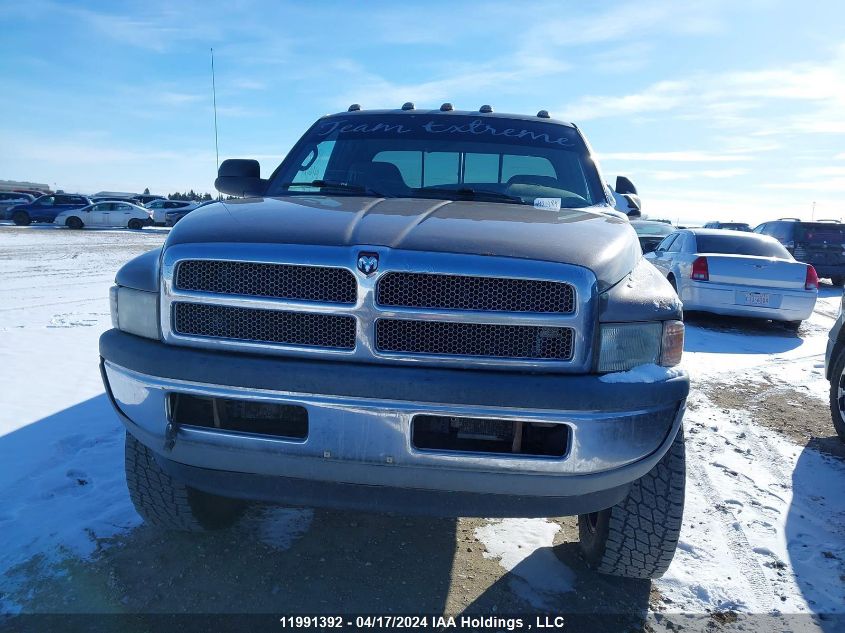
x=421 y=311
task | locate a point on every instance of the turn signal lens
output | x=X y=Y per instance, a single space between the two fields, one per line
x=812 y=280
x=699 y=270
x=672 y=345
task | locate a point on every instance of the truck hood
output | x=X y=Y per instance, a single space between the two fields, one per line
x=604 y=244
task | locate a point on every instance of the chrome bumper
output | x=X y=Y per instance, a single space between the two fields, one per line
x=367 y=442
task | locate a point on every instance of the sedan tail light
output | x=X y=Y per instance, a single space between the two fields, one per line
x=812 y=280
x=699 y=270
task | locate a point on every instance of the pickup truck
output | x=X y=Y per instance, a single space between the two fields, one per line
x=419 y=311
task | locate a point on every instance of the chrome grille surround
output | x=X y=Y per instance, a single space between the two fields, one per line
x=465 y=292
x=282 y=281
x=366 y=311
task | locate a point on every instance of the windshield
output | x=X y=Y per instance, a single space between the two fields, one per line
x=442 y=156
x=741 y=245
x=652 y=229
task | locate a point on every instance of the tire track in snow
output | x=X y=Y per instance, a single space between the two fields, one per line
x=736 y=541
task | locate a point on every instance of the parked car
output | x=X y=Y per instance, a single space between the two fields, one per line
x=11 y=199
x=172 y=217
x=145 y=198
x=821 y=244
x=729 y=226
x=651 y=233
x=834 y=366
x=46 y=208
x=365 y=330
x=159 y=208
x=105 y=214
x=737 y=274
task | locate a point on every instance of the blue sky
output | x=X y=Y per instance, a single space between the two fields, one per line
x=716 y=110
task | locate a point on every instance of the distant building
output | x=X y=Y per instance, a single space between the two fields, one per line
x=114 y=194
x=15 y=185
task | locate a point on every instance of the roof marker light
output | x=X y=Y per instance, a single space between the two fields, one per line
x=446 y=107
x=409 y=105
x=486 y=109
x=354 y=107
x=543 y=114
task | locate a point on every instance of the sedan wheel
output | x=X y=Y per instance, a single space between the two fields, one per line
x=74 y=223
x=837 y=396
x=135 y=224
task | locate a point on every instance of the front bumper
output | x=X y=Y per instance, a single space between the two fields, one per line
x=787 y=305
x=359 y=454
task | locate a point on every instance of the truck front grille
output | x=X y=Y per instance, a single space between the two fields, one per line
x=303 y=283
x=265 y=326
x=465 y=292
x=474 y=339
x=426 y=309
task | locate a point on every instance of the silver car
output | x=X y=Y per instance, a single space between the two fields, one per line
x=737 y=274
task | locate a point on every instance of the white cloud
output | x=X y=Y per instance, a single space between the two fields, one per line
x=682 y=156
x=802 y=98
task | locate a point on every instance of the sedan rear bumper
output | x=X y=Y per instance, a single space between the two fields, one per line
x=727 y=299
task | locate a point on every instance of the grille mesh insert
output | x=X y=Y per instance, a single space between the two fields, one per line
x=283 y=281
x=474 y=339
x=266 y=326
x=460 y=292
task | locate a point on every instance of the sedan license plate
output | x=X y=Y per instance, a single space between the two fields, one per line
x=756 y=298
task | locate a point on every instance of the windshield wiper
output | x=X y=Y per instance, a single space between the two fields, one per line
x=469 y=192
x=330 y=184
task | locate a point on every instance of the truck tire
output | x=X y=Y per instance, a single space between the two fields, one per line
x=637 y=537
x=837 y=400
x=73 y=222
x=164 y=502
x=21 y=218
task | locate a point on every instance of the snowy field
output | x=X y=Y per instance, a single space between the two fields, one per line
x=764 y=527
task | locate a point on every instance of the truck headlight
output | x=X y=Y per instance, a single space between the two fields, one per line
x=624 y=346
x=134 y=311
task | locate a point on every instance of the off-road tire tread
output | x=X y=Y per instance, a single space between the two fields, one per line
x=164 y=502
x=644 y=527
x=835 y=377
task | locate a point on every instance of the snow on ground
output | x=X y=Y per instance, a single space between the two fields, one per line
x=763 y=528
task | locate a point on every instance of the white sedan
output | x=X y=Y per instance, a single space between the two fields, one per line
x=105 y=214
x=737 y=274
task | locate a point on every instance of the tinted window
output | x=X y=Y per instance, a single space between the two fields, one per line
x=665 y=244
x=409 y=155
x=740 y=245
x=780 y=230
x=46 y=201
x=820 y=233
x=678 y=244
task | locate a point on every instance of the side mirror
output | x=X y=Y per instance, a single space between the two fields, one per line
x=634 y=205
x=623 y=186
x=240 y=177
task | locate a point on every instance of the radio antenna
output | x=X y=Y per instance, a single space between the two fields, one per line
x=214 y=101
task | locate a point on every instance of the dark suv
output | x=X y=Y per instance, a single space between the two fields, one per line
x=821 y=244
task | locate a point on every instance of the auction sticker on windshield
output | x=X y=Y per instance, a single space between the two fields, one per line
x=550 y=204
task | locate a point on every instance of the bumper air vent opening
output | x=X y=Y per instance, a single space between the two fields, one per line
x=242 y=416
x=486 y=435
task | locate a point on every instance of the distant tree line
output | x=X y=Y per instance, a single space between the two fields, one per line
x=190 y=195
